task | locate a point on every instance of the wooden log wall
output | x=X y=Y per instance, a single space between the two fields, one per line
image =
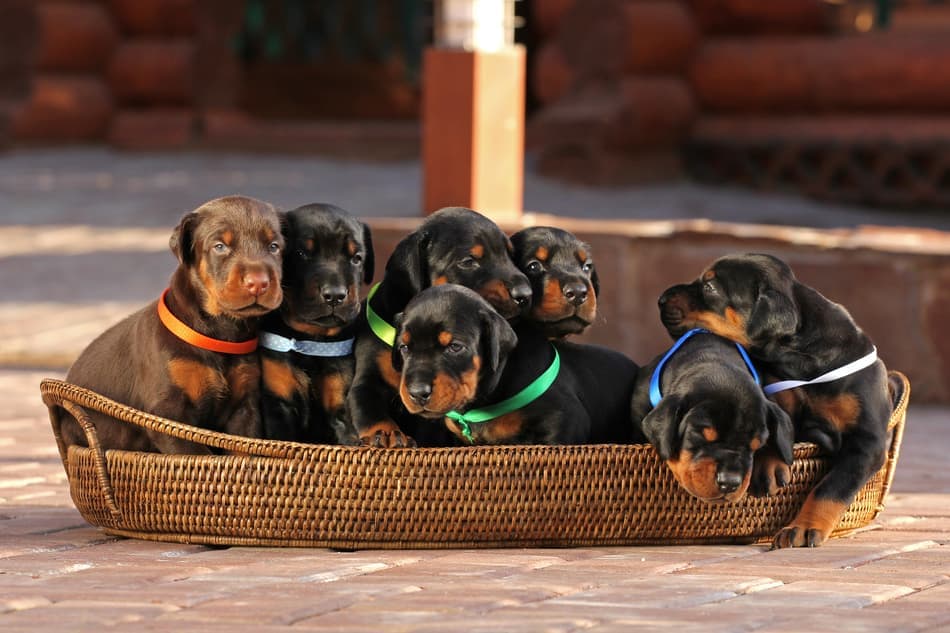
x=611 y=80
x=116 y=70
x=68 y=98
x=794 y=97
x=18 y=33
x=152 y=74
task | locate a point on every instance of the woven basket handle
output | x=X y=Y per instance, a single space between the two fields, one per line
x=92 y=439
x=896 y=426
x=59 y=393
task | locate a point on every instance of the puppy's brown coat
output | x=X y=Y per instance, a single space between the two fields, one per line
x=229 y=252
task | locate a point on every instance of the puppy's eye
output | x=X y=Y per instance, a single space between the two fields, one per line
x=469 y=263
x=220 y=248
x=709 y=288
x=302 y=254
x=587 y=267
x=274 y=248
x=356 y=260
x=455 y=348
x=534 y=267
x=404 y=349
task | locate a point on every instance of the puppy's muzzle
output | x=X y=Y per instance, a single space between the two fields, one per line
x=256 y=283
x=419 y=392
x=333 y=295
x=575 y=293
x=728 y=481
x=520 y=291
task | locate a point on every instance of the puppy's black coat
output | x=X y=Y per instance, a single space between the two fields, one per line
x=455 y=353
x=711 y=419
x=794 y=333
x=564 y=282
x=329 y=255
x=453 y=245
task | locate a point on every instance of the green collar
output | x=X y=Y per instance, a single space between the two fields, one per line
x=524 y=397
x=382 y=329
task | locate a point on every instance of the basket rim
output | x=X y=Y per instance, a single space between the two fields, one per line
x=91 y=480
x=56 y=392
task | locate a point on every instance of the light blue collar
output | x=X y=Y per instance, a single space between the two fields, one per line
x=280 y=343
x=656 y=396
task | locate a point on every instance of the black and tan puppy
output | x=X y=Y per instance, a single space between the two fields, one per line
x=701 y=406
x=453 y=245
x=191 y=356
x=839 y=399
x=306 y=347
x=563 y=279
x=463 y=365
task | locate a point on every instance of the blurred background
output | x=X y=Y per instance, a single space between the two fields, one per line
x=666 y=132
x=844 y=101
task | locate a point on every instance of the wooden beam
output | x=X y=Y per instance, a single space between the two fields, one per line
x=473 y=130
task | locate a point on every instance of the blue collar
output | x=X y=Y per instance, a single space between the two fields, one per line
x=656 y=396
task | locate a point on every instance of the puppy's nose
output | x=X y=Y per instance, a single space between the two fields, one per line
x=575 y=292
x=420 y=392
x=333 y=295
x=520 y=292
x=728 y=481
x=256 y=283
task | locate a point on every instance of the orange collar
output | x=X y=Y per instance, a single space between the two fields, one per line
x=185 y=333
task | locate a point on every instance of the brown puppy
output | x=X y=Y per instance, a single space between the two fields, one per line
x=190 y=356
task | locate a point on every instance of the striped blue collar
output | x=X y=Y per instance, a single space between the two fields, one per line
x=656 y=396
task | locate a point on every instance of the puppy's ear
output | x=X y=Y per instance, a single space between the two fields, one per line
x=497 y=339
x=369 y=257
x=662 y=427
x=396 y=354
x=408 y=264
x=594 y=281
x=781 y=431
x=287 y=225
x=773 y=316
x=182 y=241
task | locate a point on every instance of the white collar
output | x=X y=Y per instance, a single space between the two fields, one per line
x=846 y=370
x=280 y=343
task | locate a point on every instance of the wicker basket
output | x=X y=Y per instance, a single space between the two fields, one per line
x=267 y=492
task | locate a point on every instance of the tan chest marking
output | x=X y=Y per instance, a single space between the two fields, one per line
x=196 y=379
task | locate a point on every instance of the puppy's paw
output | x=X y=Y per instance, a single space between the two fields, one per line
x=769 y=474
x=813 y=525
x=386 y=435
x=797 y=536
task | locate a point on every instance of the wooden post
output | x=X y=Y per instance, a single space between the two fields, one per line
x=473 y=130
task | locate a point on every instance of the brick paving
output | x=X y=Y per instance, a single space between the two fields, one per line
x=57 y=572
